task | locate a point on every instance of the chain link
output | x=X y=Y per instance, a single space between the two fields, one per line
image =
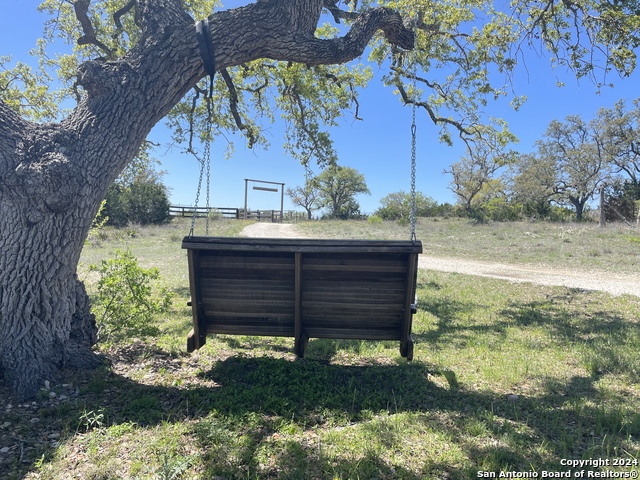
x=205 y=44
x=195 y=206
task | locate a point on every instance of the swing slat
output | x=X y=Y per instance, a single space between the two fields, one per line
x=305 y=288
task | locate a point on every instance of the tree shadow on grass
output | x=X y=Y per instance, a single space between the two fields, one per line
x=243 y=401
x=608 y=341
x=236 y=407
x=182 y=293
x=452 y=321
x=555 y=312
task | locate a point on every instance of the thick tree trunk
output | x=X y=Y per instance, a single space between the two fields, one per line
x=46 y=210
x=53 y=177
x=579 y=204
x=46 y=324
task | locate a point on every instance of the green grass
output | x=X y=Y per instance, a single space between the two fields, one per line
x=578 y=246
x=506 y=377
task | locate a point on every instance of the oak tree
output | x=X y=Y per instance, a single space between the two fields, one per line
x=337 y=188
x=620 y=132
x=574 y=150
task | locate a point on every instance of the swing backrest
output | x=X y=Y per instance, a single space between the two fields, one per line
x=303 y=288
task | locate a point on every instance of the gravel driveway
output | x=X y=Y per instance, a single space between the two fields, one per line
x=614 y=284
x=271 y=230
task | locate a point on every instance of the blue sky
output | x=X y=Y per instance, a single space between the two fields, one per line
x=379 y=147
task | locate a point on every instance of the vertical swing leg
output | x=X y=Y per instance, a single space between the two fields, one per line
x=406 y=339
x=198 y=335
x=301 y=338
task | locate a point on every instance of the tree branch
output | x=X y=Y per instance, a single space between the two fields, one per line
x=332 y=6
x=435 y=118
x=352 y=45
x=123 y=11
x=278 y=37
x=81 y=8
x=233 y=104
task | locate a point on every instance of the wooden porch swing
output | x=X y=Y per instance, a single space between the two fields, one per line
x=300 y=288
x=303 y=288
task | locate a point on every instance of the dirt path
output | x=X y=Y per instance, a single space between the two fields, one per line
x=614 y=284
x=606 y=282
x=271 y=230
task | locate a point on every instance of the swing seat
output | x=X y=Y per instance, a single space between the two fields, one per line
x=302 y=288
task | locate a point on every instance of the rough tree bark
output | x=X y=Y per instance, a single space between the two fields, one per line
x=54 y=176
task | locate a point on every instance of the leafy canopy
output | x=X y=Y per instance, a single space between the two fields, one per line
x=337 y=187
x=465 y=55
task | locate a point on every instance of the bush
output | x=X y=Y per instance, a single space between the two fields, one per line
x=397 y=206
x=562 y=214
x=144 y=202
x=126 y=304
x=96 y=233
x=623 y=202
x=499 y=210
x=148 y=203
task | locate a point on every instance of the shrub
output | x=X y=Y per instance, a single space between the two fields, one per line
x=397 y=206
x=126 y=304
x=96 y=233
x=499 y=210
x=144 y=201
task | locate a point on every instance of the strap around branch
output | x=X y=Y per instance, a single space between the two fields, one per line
x=203 y=34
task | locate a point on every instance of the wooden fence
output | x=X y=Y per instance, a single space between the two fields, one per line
x=187 y=211
x=275 y=216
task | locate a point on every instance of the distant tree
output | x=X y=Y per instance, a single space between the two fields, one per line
x=478 y=167
x=576 y=158
x=470 y=175
x=148 y=202
x=532 y=183
x=116 y=207
x=574 y=150
x=620 y=132
x=494 y=188
x=338 y=186
x=306 y=196
x=394 y=206
x=137 y=197
x=349 y=209
x=397 y=206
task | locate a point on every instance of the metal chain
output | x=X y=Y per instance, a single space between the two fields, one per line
x=205 y=164
x=195 y=206
x=412 y=216
x=207 y=155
